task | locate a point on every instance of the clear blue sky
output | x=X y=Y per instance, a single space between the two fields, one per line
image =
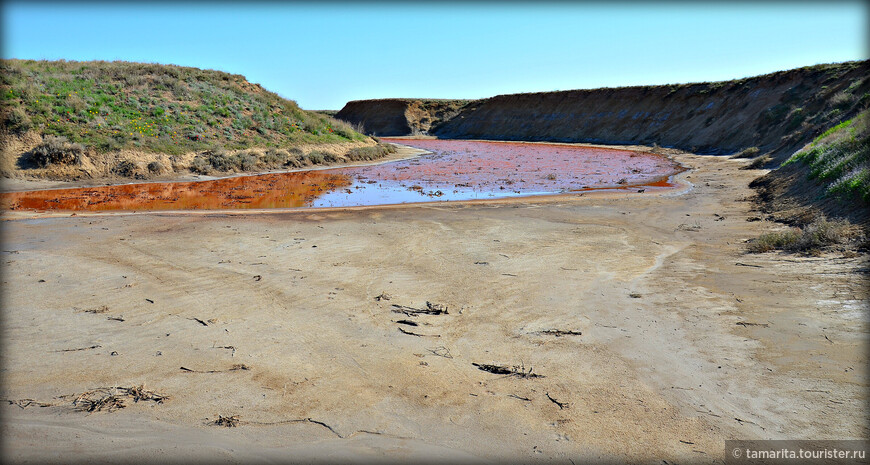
x=323 y=55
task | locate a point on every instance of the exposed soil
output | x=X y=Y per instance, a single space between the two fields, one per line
x=651 y=335
x=399 y=117
x=778 y=113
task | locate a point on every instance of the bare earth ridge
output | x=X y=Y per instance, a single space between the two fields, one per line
x=655 y=336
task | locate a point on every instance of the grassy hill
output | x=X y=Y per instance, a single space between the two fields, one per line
x=81 y=109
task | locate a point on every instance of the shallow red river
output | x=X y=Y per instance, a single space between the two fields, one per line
x=455 y=170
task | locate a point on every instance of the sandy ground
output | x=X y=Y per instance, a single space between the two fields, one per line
x=686 y=340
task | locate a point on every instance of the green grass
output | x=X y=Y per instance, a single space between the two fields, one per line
x=840 y=157
x=110 y=106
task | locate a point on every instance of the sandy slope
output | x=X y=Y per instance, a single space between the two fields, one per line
x=656 y=284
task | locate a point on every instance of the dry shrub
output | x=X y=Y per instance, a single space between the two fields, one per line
x=126 y=168
x=758 y=163
x=812 y=238
x=155 y=167
x=57 y=150
x=750 y=152
x=17 y=121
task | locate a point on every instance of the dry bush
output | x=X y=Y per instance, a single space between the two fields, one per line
x=155 y=167
x=126 y=168
x=758 y=163
x=812 y=238
x=17 y=121
x=750 y=152
x=57 y=150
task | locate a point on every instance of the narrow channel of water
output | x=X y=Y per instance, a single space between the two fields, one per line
x=455 y=170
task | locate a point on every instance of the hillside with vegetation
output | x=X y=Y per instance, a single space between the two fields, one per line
x=829 y=175
x=60 y=118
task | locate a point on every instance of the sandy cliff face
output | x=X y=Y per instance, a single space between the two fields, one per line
x=776 y=112
x=399 y=117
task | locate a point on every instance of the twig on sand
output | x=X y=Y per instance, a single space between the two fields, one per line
x=748 y=323
x=560 y=404
x=236 y=367
x=418 y=335
x=517 y=370
x=431 y=309
x=744 y=264
x=227 y=422
x=96 y=346
x=560 y=332
x=111 y=399
x=441 y=351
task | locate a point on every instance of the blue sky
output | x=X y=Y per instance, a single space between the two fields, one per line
x=323 y=55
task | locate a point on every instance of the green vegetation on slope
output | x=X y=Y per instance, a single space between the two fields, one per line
x=840 y=158
x=109 y=106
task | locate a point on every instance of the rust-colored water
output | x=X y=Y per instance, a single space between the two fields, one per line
x=456 y=170
x=282 y=190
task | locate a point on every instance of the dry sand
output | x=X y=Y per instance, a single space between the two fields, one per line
x=658 y=285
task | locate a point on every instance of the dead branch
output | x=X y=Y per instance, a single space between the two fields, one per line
x=560 y=404
x=561 y=332
x=97 y=346
x=236 y=367
x=418 y=335
x=517 y=370
x=431 y=309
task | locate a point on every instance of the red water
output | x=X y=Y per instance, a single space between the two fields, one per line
x=456 y=170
